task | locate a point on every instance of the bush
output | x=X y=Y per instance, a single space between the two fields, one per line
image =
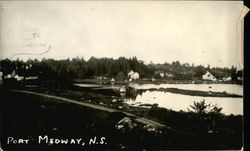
x=199 y=107
x=202 y=108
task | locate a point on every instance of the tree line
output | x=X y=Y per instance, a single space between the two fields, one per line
x=79 y=68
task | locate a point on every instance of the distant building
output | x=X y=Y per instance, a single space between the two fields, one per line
x=240 y=78
x=169 y=75
x=208 y=76
x=112 y=80
x=19 y=78
x=7 y=76
x=227 y=78
x=101 y=77
x=133 y=75
x=12 y=75
x=160 y=73
x=98 y=77
x=32 y=78
x=153 y=79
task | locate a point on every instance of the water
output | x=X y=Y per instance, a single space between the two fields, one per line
x=179 y=102
x=229 y=88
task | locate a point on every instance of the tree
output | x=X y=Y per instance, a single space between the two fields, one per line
x=120 y=76
x=199 y=107
x=202 y=108
x=199 y=71
x=215 y=109
x=233 y=73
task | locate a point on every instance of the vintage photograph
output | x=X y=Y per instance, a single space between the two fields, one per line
x=121 y=75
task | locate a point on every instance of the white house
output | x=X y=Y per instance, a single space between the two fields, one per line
x=208 y=76
x=133 y=75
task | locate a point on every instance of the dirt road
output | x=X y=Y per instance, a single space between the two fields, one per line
x=97 y=107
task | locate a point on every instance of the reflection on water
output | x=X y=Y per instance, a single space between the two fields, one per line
x=229 y=88
x=99 y=86
x=179 y=102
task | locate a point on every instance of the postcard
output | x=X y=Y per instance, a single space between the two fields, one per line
x=121 y=75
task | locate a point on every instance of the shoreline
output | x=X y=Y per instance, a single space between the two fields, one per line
x=148 y=81
x=193 y=92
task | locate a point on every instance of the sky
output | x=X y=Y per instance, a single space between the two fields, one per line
x=199 y=32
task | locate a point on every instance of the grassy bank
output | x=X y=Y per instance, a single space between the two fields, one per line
x=186 y=130
x=28 y=116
